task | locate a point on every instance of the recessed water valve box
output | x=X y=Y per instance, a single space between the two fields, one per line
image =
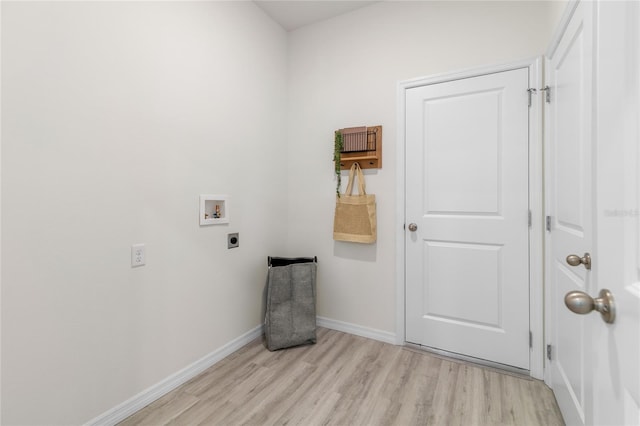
x=214 y=209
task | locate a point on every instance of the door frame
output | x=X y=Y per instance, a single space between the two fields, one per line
x=536 y=205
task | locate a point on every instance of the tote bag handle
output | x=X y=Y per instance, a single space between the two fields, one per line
x=355 y=168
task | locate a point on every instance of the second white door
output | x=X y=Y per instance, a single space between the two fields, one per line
x=569 y=191
x=467 y=203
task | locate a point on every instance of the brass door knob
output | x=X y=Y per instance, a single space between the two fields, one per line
x=575 y=260
x=581 y=303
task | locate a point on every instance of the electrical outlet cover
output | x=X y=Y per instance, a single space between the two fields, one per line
x=138 y=255
x=233 y=240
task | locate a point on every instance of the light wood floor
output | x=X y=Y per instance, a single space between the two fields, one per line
x=349 y=380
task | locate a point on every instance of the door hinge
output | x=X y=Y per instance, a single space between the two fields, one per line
x=545 y=89
x=549 y=223
x=547 y=94
x=530 y=93
x=530 y=339
x=549 y=352
x=530 y=219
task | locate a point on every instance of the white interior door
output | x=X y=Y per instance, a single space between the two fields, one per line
x=592 y=190
x=570 y=206
x=467 y=261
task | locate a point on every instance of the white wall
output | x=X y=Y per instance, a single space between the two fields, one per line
x=115 y=117
x=343 y=73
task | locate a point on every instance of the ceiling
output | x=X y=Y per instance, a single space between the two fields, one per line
x=293 y=14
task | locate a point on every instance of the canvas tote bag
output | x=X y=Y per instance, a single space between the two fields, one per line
x=355 y=216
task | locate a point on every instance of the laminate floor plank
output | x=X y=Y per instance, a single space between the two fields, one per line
x=350 y=380
x=164 y=410
x=444 y=397
x=374 y=394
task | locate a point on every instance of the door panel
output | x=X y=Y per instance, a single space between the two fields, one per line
x=569 y=355
x=570 y=91
x=482 y=268
x=467 y=287
x=461 y=169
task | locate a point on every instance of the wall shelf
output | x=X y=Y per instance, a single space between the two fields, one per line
x=361 y=145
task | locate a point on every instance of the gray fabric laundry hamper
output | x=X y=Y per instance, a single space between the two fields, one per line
x=290 y=316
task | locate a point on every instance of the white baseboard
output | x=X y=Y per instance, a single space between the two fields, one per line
x=358 y=330
x=146 y=397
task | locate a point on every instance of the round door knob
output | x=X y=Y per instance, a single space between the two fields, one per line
x=575 y=260
x=413 y=227
x=581 y=303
